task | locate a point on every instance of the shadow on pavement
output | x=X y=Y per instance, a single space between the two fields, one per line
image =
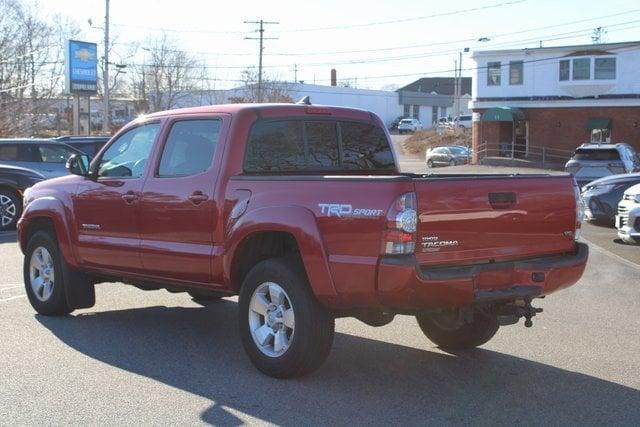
x=364 y=381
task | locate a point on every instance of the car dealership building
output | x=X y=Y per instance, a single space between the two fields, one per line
x=541 y=103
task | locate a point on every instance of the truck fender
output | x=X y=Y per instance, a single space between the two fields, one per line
x=54 y=210
x=301 y=224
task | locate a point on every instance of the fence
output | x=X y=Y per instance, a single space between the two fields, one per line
x=546 y=156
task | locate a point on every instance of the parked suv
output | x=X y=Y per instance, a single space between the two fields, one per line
x=628 y=218
x=302 y=212
x=409 y=125
x=447 y=156
x=592 y=161
x=462 y=122
x=45 y=156
x=87 y=144
x=13 y=182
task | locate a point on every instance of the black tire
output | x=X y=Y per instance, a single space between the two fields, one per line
x=429 y=163
x=314 y=326
x=56 y=304
x=452 y=162
x=465 y=336
x=10 y=209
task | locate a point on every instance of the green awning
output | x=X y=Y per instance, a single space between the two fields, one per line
x=598 y=123
x=503 y=114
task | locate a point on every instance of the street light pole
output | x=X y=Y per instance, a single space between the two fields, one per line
x=105 y=76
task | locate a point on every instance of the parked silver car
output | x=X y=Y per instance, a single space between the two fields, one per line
x=592 y=161
x=451 y=155
x=628 y=217
x=44 y=156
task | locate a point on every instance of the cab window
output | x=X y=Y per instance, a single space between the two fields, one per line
x=189 y=148
x=127 y=156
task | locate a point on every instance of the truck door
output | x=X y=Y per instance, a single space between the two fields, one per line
x=178 y=210
x=107 y=208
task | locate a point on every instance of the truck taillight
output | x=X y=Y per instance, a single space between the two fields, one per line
x=579 y=210
x=399 y=236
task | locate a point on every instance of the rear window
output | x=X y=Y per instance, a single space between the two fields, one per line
x=406 y=121
x=315 y=146
x=596 y=154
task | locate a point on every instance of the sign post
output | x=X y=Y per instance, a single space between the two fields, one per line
x=81 y=79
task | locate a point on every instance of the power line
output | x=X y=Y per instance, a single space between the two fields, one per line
x=403 y=20
x=493 y=36
x=261 y=39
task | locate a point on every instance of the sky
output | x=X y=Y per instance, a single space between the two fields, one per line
x=380 y=44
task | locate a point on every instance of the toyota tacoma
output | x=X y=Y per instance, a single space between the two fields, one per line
x=301 y=211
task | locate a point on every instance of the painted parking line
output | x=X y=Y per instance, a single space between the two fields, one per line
x=612 y=255
x=11 y=292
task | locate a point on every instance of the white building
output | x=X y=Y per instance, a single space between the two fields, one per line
x=555 y=97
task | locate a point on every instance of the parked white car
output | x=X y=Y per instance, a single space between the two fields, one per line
x=409 y=125
x=462 y=122
x=628 y=218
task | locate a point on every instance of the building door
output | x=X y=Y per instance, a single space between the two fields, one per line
x=521 y=138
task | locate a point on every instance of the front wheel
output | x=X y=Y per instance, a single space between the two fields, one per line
x=44 y=276
x=429 y=163
x=452 y=162
x=449 y=331
x=285 y=331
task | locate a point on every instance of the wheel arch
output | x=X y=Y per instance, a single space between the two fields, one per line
x=278 y=232
x=46 y=214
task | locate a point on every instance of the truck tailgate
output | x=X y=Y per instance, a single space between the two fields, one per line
x=487 y=218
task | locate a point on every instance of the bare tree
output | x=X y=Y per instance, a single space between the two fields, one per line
x=272 y=90
x=166 y=75
x=31 y=67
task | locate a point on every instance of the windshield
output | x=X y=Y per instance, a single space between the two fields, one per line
x=596 y=154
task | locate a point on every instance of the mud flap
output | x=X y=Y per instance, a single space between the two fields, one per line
x=79 y=289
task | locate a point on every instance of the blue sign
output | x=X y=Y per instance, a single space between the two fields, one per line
x=82 y=67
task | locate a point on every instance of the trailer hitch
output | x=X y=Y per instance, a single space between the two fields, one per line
x=528 y=311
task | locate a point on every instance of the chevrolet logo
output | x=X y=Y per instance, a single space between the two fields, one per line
x=83 y=55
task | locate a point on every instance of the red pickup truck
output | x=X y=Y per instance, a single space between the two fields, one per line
x=301 y=210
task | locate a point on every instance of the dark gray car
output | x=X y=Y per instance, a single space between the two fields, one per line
x=601 y=197
x=13 y=182
x=44 y=156
x=451 y=155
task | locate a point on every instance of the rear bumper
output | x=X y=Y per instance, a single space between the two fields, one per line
x=403 y=284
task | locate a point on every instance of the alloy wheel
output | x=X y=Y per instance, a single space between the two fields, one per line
x=271 y=319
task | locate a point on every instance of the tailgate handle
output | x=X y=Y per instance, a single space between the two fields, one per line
x=502 y=200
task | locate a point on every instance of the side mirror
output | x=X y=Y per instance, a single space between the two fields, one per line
x=78 y=164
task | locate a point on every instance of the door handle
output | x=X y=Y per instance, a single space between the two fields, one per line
x=129 y=197
x=198 y=197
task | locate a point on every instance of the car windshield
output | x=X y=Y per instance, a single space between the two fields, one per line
x=596 y=154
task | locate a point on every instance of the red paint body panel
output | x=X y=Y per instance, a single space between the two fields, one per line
x=164 y=237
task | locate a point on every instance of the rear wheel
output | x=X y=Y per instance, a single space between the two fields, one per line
x=10 y=209
x=284 y=330
x=44 y=276
x=452 y=162
x=449 y=331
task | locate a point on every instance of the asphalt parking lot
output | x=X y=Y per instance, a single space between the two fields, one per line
x=159 y=358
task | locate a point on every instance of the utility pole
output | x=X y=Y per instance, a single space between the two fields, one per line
x=295 y=73
x=260 y=30
x=105 y=76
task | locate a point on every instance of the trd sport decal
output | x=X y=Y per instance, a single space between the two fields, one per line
x=343 y=210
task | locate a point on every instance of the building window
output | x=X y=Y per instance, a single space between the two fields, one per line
x=582 y=69
x=601 y=135
x=493 y=74
x=515 y=72
x=605 y=69
x=565 y=64
x=407 y=111
x=416 y=112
